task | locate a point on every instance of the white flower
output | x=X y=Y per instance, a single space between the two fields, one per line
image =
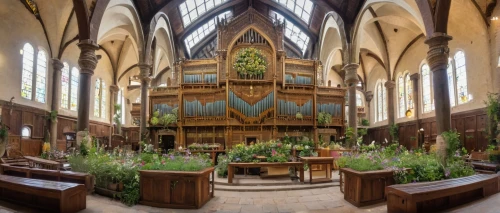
x=306 y=147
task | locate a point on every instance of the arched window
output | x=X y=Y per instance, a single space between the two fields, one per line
x=426 y=88
x=41 y=76
x=121 y=101
x=405 y=92
x=75 y=78
x=461 y=76
x=359 y=101
x=26 y=132
x=451 y=84
x=65 y=86
x=381 y=101
x=27 y=75
x=100 y=99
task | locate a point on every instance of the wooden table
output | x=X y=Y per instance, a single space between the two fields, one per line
x=310 y=161
x=442 y=194
x=231 y=166
x=35 y=162
x=213 y=154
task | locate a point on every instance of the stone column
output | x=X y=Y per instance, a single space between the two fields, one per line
x=57 y=65
x=437 y=58
x=88 y=63
x=113 y=89
x=368 y=98
x=351 y=79
x=145 y=80
x=389 y=85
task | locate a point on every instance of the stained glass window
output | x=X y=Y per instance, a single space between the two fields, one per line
x=203 y=31
x=408 y=92
x=451 y=84
x=27 y=75
x=41 y=76
x=65 y=86
x=401 y=96
x=97 y=98
x=381 y=101
x=193 y=9
x=75 y=78
x=461 y=76
x=301 y=8
x=293 y=33
x=103 y=99
x=426 y=88
x=359 y=101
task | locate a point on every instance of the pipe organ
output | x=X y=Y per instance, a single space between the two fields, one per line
x=219 y=104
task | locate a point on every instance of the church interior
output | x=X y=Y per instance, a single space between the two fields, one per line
x=249 y=106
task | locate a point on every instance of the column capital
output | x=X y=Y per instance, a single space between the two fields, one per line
x=87 y=59
x=369 y=96
x=114 y=88
x=351 y=75
x=57 y=64
x=415 y=76
x=390 y=84
x=437 y=56
x=145 y=70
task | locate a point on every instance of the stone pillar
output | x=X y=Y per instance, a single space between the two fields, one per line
x=57 y=65
x=351 y=79
x=368 y=98
x=437 y=58
x=145 y=80
x=88 y=63
x=113 y=89
x=416 y=105
x=389 y=85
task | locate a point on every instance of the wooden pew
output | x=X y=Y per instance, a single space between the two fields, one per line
x=439 y=195
x=51 y=196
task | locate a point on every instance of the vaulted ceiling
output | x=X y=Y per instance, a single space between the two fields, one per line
x=347 y=9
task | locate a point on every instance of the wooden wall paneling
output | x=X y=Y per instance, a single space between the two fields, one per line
x=460 y=127
x=15 y=122
x=27 y=118
x=482 y=137
x=31 y=147
x=39 y=126
x=469 y=133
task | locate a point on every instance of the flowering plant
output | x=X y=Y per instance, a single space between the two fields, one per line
x=250 y=61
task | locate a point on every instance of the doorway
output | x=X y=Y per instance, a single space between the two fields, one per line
x=167 y=142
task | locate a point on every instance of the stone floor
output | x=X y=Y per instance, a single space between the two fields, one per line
x=314 y=201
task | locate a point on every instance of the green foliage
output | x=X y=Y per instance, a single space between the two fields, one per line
x=350 y=137
x=492 y=111
x=250 y=61
x=273 y=151
x=394 y=132
x=362 y=132
x=155 y=120
x=83 y=149
x=365 y=122
x=53 y=115
x=299 y=116
x=4 y=132
x=324 y=118
x=222 y=164
x=452 y=139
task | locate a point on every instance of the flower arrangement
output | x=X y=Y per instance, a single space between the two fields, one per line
x=45 y=150
x=250 y=61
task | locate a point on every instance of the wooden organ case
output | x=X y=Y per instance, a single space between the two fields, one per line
x=216 y=104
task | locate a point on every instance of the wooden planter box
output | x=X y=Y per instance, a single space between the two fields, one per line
x=366 y=188
x=176 y=189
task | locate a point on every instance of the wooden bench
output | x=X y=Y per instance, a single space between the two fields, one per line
x=45 y=174
x=439 y=195
x=481 y=164
x=231 y=166
x=41 y=163
x=327 y=161
x=47 y=195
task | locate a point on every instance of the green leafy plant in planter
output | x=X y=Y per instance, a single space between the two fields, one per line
x=52 y=116
x=492 y=111
x=350 y=137
x=169 y=118
x=4 y=132
x=299 y=116
x=251 y=62
x=324 y=118
x=222 y=164
x=155 y=120
x=394 y=132
x=365 y=122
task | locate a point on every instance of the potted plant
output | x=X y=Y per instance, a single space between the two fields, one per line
x=365 y=122
x=4 y=136
x=155 y=120
x=299 y=116
x=324 y=118
x=250 y=62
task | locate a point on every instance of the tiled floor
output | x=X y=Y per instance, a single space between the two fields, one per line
x=313 y=201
